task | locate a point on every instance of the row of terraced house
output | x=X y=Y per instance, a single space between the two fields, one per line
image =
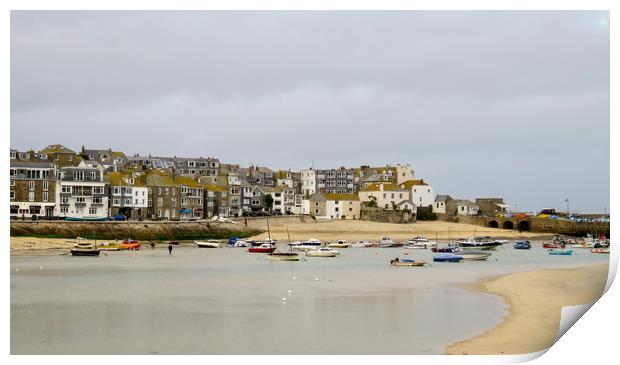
x=59 y=183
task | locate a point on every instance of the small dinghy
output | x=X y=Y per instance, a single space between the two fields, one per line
x=405 y=262
x=522 y=245
x=561 y=252
x=85 y=249
x=472 y=255
x=447 y=257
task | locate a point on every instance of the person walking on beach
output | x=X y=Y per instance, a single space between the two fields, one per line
x=170 y=249
x=153 y=245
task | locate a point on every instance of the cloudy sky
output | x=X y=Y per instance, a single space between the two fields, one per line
x=510 y=104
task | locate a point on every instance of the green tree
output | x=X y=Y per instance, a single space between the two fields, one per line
x=372 y=203
x=268 y=202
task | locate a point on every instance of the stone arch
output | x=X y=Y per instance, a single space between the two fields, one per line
x=493 y=224
x=524 y=226
x=508 y=225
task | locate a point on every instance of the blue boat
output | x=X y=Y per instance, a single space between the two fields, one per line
x=561 y=252
x=522 y=245
x=447 y=257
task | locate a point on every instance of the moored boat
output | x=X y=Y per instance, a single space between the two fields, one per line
x=447 y=257
x=264 y=248
x=339 y=244
x=449 y=248
x=364 y=244
x=283 y=256
x=522 y=245
x=85 y=249
x=130 y=244
x=109 y=246
x=208 y=244
x=419 y=243
x=600 y=250
x=388 y=242
x=560 y=252
x=322 y=252
x=406 y=262
x=472 y=255
x=480 y=242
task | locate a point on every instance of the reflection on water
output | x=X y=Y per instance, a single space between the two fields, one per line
x=227 y=301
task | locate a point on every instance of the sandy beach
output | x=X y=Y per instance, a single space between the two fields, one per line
x=535 y=299
x=358 y=230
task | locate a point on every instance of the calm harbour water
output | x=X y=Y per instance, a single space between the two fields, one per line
x=229 y=301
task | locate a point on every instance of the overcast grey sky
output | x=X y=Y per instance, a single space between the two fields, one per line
x=510 y=104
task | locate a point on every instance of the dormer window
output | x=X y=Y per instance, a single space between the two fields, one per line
x=43 y=156
x=191 y=163
x=91 y=157
x=130 y=181
x=70 y=158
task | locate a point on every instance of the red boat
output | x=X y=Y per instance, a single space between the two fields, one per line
x=264 y=248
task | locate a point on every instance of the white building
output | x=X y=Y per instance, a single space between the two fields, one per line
x=387 y=195
x=440 y=204
x=308 y=182
x=466 y=207
x=81 y=192
x=421 y=193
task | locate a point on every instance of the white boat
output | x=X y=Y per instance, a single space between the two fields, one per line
x=310 y=244
x=363 y=244
x=419 y=242
x=586 y=242
x=470 y=255
x=240 y=243
x=339 y=244
x=322 y=252
x=388 y=242
x=208 y=244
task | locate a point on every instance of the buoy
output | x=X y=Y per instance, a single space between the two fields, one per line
x=283 y=299
x=40 y=267
x=290 y=291
x=294 y=278
x=16 y=269
x=316 y=279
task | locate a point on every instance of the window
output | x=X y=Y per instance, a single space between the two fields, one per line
x=45 y=197
x=167 y=191
x=12 y=182
x=65 y=189
x=71 y=159
x=80 y=200
x=64 y=210
x=92 y=211
x=400 y=195
x=174 y=191
x=173 y=202
x=64 y=200
x=93 y=175
x=117 y=190
x=31 y=196
x=13 y=154
x=160 y=202
x=97 y=200
x=12 y=195
x=316 y=211
x=78 y=175
x=128 y=201
x=136 y=202
x=98 y=190
x=45 y=185
x=13 y=172
x=30 y=185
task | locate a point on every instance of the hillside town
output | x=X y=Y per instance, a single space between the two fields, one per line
x=101 y=184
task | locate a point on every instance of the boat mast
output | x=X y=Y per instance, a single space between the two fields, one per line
x=268 y=231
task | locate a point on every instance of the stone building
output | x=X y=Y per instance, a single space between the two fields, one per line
x=32 y=189
x=128 y=194
x=334 y=206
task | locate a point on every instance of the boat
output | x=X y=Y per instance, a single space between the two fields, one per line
x=560 y=252
x=310 y=244
x=240 y=243
x=107 y=246
x=480 y=242
x=365 y=244
x=406 y=262
x=522 y=245
x=85 y=249
x=450 y=248
x=419 y=242
x=339 y=244
x=388 y=242
x=208 y=244
x=447 y=257
x=322 y=252
x=502 y=242
x=473 y=255
x=556 y=242
x=600 y=250
x=130 y=244
x=283 y=256
x=264 y=248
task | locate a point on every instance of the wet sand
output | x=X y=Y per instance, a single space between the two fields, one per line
x=535 y=299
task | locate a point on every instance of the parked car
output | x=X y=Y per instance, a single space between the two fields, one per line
x=119 y=217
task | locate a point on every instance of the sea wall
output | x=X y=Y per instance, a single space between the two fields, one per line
x=136 y=230
x=542 y=225
x=386 y=216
